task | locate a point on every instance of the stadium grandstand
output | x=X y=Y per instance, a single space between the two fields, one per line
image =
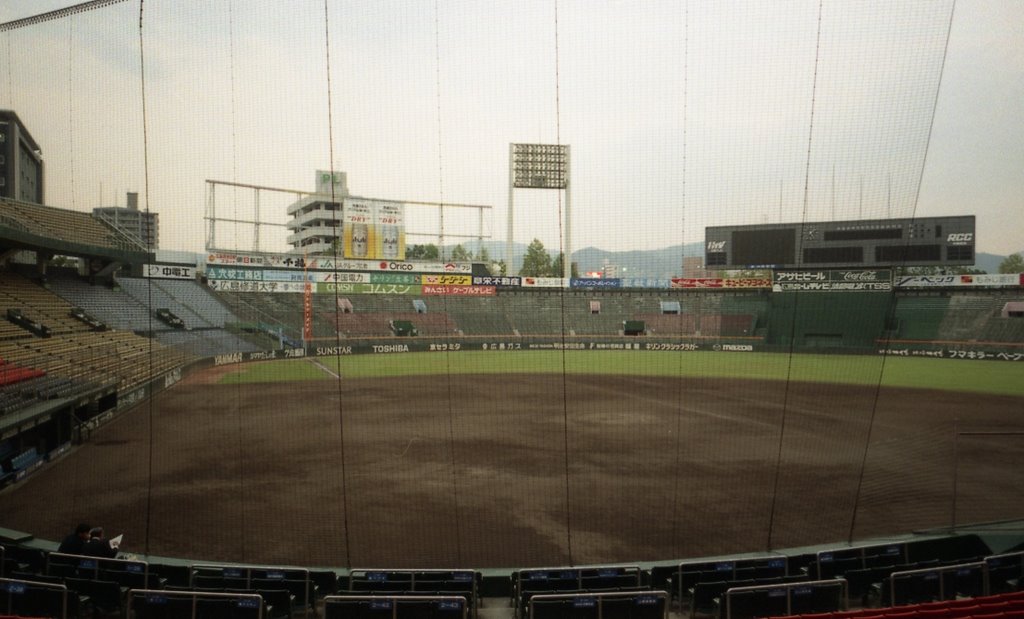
x=809 y=405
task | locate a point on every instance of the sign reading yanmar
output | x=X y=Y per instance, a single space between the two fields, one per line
x=328 y=263
x=872 y=280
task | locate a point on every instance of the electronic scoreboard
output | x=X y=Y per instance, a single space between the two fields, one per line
x=923 y=241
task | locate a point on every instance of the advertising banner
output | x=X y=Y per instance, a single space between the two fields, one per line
x=394 y=278
x=251 y=275
x=278 y=261
x=368 y=289
x=971 y=354
x=462 y=291
x=273 y=275
x=446 y=280
x=544 y=282
x=823 y=280
x=499 y=281
x=339 y=277
x=358 y=230
x=646 y=282
x=307 y=312
x=389 y=218
x=328 y=263
x=595 y=282
x=225 y=285
x=747 y=282
x=232 y=259
x=697 y=282
x=168 y=271
x=948 y=281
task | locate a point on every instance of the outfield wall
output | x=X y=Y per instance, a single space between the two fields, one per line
x=938 y=350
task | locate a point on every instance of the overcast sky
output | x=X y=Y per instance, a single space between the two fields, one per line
x=679 y=115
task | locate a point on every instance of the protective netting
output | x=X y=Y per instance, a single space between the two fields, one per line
x=414 y=393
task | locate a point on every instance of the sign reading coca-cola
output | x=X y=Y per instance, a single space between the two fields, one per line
x=825 y=280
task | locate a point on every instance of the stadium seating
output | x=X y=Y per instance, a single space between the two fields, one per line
x=603 y=605
x=1002 y=606
x=385 y=607
x=405 y=583
x=66 y=225
x=828 y=320
x=919 y=317
x=28 y=598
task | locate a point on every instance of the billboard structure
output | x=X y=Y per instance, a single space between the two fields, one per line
x=324 y=221
x=540 y=166
x=373 y=230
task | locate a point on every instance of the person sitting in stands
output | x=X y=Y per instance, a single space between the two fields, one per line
x=98 y=546
x=74 y=542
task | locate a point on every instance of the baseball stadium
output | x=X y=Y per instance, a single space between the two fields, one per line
x=592 y=310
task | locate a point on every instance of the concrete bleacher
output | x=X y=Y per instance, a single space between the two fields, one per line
x=65 y=225
x=919 y=317
x=152 y=294
x=977 y=317
x=115 y=308
x=281 y=311
x=479 y=316
x=198 y=300
x=38 y=304
x=527 y=316
x=104 y=357
x=75 y=354
x=828 y=320
x=207 y=343
x=126 y=309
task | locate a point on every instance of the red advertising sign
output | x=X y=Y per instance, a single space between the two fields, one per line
x=465 y=291
x=307 y=312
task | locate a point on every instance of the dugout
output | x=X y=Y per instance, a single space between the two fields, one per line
x=828 y=320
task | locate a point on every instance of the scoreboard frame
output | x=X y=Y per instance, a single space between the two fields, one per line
x=918 y=241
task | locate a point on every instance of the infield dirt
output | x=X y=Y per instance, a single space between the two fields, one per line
x=525 y=470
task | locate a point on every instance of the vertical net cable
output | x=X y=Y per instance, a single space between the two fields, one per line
x=149 y=287
x=240 y=425
x=680 y=382
x=566 y=266
x=71 y=113
x=453 y=462
x=913 y=215
x=337 y=331
x=796 y=299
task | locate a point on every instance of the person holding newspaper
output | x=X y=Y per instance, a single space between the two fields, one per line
x=99 y=546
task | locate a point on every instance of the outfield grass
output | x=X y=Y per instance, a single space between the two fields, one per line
x=992 y=377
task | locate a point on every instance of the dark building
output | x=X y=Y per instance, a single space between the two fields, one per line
x=21 y=161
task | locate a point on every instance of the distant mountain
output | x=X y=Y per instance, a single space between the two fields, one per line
x=661 y=263
x=988 y=262
x=666 y=262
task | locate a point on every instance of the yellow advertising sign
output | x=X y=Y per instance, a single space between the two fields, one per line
x=446 y=280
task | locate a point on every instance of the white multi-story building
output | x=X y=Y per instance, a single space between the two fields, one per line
x=316 y=219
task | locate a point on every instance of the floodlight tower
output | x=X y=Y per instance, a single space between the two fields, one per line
x=540 y=166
